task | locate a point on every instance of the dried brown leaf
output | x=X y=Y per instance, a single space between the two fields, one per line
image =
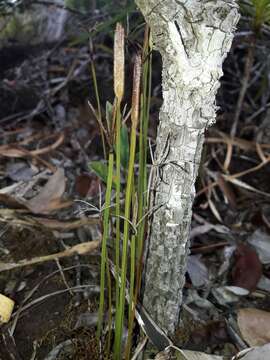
x=49 y=198
x=254 y=325
x=87 y=185
x=12 y=202
x=6 y=308
x=247 y=269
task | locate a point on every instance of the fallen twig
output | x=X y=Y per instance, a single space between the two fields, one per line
x=235 y=141
x=81 y=249
x=14 y=217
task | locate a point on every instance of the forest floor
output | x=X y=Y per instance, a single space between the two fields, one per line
x=48 y=138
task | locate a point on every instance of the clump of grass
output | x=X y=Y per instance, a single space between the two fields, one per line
x=130 y=190
x=128 y=199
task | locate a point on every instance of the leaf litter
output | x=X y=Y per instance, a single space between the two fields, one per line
x=43 y=171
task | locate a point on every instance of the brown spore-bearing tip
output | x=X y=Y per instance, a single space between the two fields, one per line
x=119 y=62
x=136 y=90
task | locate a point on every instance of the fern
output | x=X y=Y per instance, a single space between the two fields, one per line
x=262 y=12
x=259 y=10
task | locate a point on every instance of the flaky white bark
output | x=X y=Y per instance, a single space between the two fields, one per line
x=193 y=37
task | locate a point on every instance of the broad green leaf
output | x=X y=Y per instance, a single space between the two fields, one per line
x=101 y=170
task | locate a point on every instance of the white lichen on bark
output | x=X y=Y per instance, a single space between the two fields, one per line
x=193 y=37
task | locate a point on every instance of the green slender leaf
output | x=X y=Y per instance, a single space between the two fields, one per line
x=109 y=113
x=104 y=255
x=100 y=169
x=124 y=146
x=106 y=26
x=118 y=205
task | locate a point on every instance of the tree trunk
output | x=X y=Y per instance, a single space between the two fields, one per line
x=193 y=37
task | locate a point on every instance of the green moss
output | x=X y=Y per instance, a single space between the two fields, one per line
x=80 y=5
x=20 y=27
x=85 y=6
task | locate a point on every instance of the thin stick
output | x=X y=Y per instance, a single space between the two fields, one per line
x=93 y=70
x=63 y=276
x=247 y=71
x=81 y=249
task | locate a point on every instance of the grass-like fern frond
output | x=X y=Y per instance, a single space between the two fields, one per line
x=259 y=10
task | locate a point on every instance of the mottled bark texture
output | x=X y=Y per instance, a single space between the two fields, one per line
x=193 y=37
